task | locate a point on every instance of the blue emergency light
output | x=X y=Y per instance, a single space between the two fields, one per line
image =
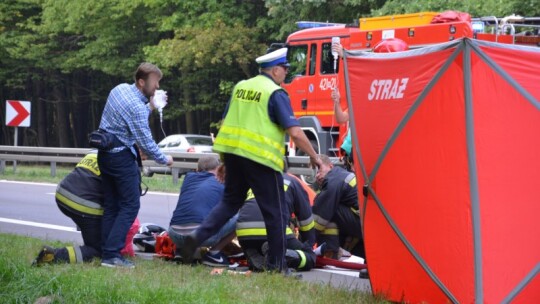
x=313 y=24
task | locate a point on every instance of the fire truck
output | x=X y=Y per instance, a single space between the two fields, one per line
x=312 y=75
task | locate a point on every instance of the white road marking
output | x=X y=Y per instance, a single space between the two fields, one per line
x=35 y=224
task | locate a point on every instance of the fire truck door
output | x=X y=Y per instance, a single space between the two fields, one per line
x=297 y=83
x=327 y=80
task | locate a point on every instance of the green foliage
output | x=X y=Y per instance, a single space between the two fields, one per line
x=66 y=55
x=284 y=14
x=152 y=281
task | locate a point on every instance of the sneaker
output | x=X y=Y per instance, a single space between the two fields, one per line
x=216 y=260
x=117 y=262
x=45 y=256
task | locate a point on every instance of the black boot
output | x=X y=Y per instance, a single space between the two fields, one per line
x=45 y=256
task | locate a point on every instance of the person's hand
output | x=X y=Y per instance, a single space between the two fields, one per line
x=315 y=162
x=169 y=160
x=335 y=95
x=143 y=155
x=337 y=47
x=220 y=174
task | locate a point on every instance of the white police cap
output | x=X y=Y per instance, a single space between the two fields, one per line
x=277 y=57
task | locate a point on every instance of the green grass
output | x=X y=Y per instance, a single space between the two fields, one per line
x=152 y=281
x=42 y=173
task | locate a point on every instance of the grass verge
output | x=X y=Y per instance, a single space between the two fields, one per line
x=152 y=281
x=42 y=173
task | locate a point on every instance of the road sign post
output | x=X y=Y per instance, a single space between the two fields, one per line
x=17 y=115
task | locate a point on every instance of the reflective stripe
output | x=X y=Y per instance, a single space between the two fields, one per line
x=78 y=254
x=243 y=232
x=303 y=259
x=252 y=149
x=351 y=180
x=331 y=231
x=307 y=221
x=357 y=212
x=71 y=254
x=251 y=232
x=320 y=223
x=244 y=225
x=308 y=226
x=319 y=226
x=77 y=203
x=266 y=141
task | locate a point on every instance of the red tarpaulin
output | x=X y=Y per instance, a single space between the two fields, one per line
x=446 y=142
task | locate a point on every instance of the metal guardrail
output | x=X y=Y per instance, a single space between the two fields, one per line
x=298 y=165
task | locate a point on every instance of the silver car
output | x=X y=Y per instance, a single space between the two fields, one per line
x=180 y=143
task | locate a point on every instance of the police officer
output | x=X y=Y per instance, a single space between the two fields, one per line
x=251 y=141
x=335 y=211
x=251 y=230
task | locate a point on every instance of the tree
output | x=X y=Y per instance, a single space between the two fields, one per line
x=214 y=44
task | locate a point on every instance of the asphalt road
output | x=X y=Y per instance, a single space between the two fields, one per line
x=30 y=209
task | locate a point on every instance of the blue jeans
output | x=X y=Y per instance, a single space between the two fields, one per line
x=227 y=229
x=121 y=181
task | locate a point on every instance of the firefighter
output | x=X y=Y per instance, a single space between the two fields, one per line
x=335 y=211
x=80 y=196
x=251 y=142
x=251 y=230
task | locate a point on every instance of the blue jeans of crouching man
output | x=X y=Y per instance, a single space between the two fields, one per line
x=121 y=181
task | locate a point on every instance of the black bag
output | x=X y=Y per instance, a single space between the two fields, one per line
x=102 y=140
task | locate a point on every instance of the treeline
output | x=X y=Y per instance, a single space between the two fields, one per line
x=66 y=55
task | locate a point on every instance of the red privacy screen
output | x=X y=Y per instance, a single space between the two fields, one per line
x=445 y=141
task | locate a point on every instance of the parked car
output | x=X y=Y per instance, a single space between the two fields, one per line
x=180 y=143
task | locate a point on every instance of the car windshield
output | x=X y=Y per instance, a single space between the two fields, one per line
x=199 y=141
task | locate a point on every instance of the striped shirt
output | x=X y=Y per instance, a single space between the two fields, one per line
x=126 y=116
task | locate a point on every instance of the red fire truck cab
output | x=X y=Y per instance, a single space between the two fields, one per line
x=312 y=75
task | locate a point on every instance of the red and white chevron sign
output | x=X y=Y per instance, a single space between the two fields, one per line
x=18 y=113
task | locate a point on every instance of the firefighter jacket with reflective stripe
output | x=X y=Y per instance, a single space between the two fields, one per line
x=338 y=188
x=247 y=130
x=81 y=191
x=250 y=224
